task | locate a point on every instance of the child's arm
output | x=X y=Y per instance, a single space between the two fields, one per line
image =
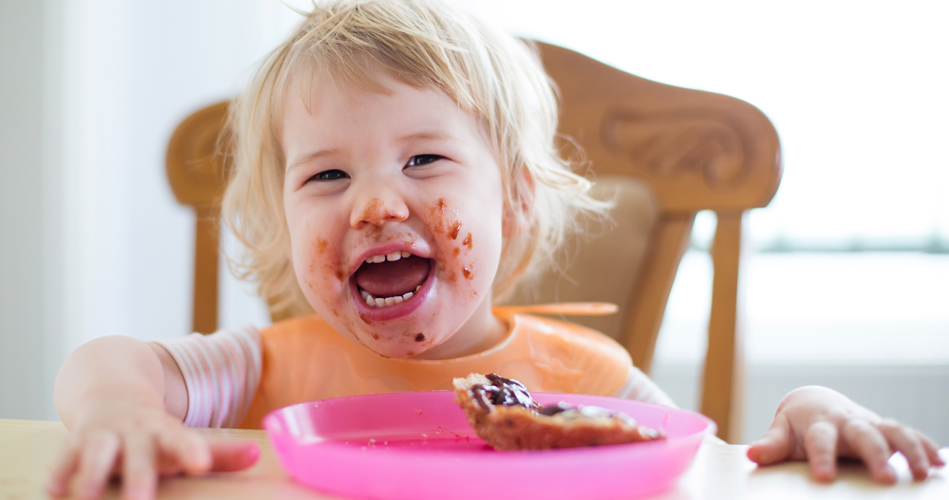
x=124 y=401
x=640 y=387
x=819 y=424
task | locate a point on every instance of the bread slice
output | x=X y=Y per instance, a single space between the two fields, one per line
x=502 y=412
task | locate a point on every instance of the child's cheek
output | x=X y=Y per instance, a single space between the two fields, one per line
x=322 y=274
x=456 y=264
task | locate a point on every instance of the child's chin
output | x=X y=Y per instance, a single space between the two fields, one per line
x=397 y=348
x=397 y=351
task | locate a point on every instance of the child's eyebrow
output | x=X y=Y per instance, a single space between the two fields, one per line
x=312 y=156
x=428 y=135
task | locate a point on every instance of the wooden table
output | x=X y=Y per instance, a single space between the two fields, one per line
x=721 y=471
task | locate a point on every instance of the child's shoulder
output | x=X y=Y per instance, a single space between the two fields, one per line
x=558 y=335
x=526 y=317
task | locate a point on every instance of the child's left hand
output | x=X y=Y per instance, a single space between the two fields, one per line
x=818 y=424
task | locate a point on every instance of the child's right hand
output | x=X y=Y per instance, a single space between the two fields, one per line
x=140 y=443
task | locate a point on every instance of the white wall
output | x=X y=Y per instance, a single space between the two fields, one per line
x=29 y=285
x=134 y=70
x=92 y=242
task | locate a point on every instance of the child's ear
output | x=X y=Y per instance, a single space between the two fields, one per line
x=516 y=217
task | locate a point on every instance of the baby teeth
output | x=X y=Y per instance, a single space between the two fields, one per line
x=388 y=301
x=396 y=255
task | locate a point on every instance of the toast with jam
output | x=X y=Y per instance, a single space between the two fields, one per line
x=502 y=412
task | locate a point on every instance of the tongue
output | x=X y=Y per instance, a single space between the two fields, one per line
x=388 y=279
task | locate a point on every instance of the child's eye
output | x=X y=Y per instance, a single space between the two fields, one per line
x=329 y=175
x=419 y=160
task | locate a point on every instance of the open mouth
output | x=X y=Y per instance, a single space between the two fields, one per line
x=390 y=279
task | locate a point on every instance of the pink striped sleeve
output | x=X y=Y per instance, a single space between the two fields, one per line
x=640 y=387
x=221 y=372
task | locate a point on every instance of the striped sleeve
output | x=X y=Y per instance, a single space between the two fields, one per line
x=641 y=388
x=221 y=373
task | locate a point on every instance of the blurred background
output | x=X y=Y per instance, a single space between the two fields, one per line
x=847 y=276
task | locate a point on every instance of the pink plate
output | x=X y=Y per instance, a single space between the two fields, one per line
x=419 y=446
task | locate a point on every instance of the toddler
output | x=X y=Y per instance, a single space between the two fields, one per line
x=395 y=174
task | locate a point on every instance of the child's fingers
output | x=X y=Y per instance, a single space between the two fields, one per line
x=870 y=446
x=97 y=458
x=776 y=444
x=186 y=449
x=904 y=440
x=227 y=456
x=66 y=464
x=140 y=478
x=932 y=449
x=820 y=443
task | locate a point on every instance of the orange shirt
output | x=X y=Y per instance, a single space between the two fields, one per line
x=303 y=359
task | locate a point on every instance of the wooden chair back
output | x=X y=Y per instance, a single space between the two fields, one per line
x=695 y=150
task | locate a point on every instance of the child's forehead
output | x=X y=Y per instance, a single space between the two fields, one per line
x=309 y=75
x=414 y=113
x=307 y=89
x=310 y=87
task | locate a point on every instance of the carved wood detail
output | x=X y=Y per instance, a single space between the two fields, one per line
x=696 y=141
x=697 y=150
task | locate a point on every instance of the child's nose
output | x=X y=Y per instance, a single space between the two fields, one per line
x=377 y=209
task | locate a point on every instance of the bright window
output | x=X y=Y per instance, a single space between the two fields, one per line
x=857 y=91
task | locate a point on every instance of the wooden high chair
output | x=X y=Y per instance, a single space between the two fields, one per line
x=663 y=153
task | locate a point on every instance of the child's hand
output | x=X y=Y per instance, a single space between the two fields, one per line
x=819 y=424
x=139 y=443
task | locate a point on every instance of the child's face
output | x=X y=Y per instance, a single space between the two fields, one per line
x=408 y=175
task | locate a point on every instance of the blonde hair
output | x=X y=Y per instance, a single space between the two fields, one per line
x=427 y=44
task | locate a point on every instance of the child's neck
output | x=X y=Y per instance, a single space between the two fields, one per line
x=482 y=332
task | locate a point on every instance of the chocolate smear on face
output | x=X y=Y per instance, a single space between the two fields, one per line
x=420 y=337
x=467 y=241
x=442 y=222
x=453 y=230
x=373 y=209
x=320 y=246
